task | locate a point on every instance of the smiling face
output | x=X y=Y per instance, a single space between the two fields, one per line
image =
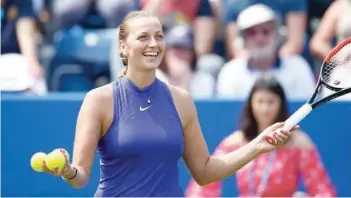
x=143 y=45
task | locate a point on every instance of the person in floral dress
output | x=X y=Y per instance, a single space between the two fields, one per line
x=276 y=173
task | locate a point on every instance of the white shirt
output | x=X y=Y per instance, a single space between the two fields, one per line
x=202 y=84
x=15 y=75
x=235 y=79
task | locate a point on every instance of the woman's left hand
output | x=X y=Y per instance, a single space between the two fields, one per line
x=280 y=135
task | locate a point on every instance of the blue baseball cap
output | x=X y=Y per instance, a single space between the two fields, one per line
x=180 y=36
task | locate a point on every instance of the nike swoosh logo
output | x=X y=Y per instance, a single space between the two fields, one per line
x=144 y=108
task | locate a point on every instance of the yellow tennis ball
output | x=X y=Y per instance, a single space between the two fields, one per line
x=59 y=150
x=37 y=160
x=55 y=159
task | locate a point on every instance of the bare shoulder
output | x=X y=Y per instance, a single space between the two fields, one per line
x=336 y=5
x=183 y=102
x=100 y=95
x=179 y=93
x=333 y=9
x=100 y=101
x=301 y=140
x=236 y=138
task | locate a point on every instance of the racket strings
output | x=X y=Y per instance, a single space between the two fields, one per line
x=337 y=72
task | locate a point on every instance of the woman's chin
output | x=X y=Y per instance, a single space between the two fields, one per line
x=151 y=65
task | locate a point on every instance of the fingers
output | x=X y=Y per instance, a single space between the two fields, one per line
x=67 y=162
x=271 y=140
x=280 y=125
x=46 y=170
x=56 y=170
x=281 y=136
x=297 y=127
x=278 y=138
x=276 y=126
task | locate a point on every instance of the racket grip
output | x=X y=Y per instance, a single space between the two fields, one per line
x=293 y=120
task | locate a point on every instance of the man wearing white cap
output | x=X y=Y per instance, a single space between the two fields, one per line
x=258 y=27
x=292 y=13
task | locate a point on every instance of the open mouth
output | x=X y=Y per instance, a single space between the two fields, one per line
x=151 y=54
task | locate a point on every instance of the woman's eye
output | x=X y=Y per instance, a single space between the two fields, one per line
x=142 y=37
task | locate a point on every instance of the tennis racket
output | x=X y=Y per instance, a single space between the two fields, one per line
x=335 y=75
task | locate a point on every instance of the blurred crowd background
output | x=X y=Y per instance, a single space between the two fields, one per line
x=215 y=48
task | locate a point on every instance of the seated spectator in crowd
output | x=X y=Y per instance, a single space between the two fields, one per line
x=292 y=14
x=16 y=76
x=335 y=24
x=18 y=29
x=275 y=174
x=197 y=13
x=73 y=12
x=179 y=64
x=258 y=26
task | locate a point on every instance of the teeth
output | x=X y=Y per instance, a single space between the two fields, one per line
x=151 y=53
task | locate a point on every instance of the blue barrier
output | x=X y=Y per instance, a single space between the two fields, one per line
x=32 y=124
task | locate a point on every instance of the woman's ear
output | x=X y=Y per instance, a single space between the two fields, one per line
x=123 y=48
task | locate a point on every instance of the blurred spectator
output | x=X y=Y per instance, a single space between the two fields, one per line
x=336 y=23
x=179 y=64
x=18 y=30
x=16 y=77
x=38 y=7
x=73 y=12
x=219 y=45
x=258 y=26
x=197 y=13
x=293 y=14
x=275 y=174
x=316 y=10
x=334 y=27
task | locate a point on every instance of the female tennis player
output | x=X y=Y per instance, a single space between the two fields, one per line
x=140 y=127
x=277 y=173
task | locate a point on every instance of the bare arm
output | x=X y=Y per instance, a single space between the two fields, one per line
x=296 y=28
x=229 y=144
x=154 y=7
x=204 y=168
x=204 y=41
x=230 y=35
x=321 y=41
x=88 y=133
x=26 y=39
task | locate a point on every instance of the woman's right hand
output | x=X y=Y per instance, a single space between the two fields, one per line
x=67 y=169
x=277 y=133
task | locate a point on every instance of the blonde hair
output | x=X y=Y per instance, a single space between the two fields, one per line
x=123 y=34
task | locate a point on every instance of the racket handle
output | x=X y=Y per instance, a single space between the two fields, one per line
x=293 y=120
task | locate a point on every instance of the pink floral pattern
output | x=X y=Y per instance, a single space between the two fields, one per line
x=290 y=164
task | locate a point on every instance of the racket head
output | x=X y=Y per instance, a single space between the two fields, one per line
x=335 y=72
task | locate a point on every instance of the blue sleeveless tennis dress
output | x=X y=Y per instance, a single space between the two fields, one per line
x=140 y=151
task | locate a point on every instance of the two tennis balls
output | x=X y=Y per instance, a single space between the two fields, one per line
x=54 y=159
